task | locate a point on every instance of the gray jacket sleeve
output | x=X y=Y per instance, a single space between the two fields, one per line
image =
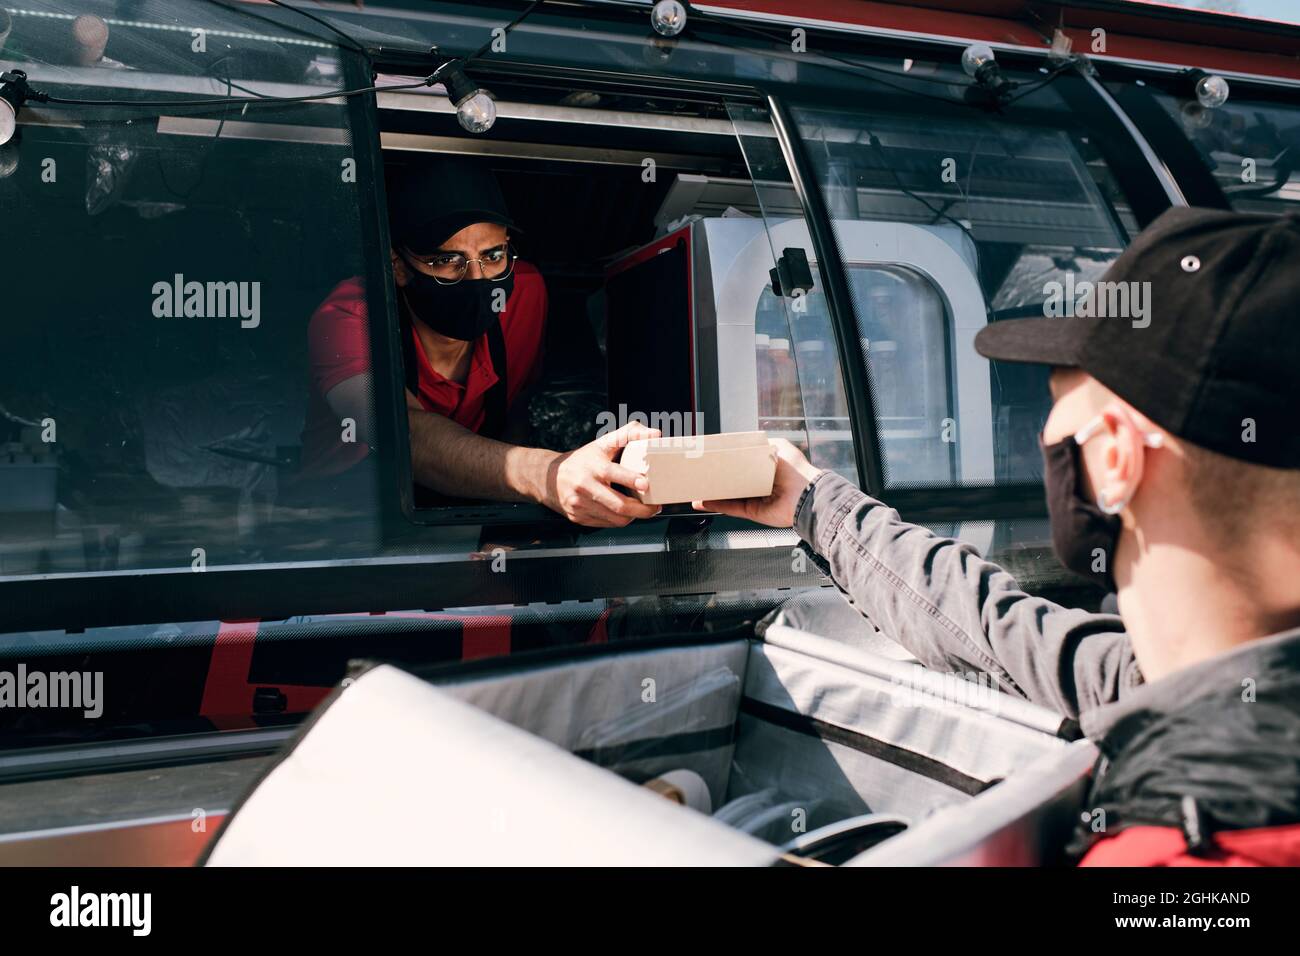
x=957 y=612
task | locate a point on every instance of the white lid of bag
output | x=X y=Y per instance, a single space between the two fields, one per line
x=395 y=772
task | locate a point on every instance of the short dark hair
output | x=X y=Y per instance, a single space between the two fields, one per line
x=1236 y=499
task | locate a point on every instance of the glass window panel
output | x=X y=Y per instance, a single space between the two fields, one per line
x=801 y=393
x=154 y=385
x=945 y=224
x=1252 y=148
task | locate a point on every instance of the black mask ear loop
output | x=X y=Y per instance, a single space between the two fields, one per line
x=405 y=331
x=1084 y=534
x=1090 y=430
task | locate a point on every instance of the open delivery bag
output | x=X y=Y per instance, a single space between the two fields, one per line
x=798 y=748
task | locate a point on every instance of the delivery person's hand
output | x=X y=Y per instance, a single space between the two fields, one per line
x=579 y=484
x=793 y=473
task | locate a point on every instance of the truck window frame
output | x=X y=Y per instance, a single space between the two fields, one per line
x=1138 y=177
x=403 y=580
x=400 y=467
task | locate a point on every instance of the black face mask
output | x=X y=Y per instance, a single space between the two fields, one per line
x=461 y=311
x=1079 y=527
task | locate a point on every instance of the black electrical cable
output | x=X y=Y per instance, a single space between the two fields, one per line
x=1046 y=81
x=857 y=68
x=851 y=64
x=353 y=44
x=207 y=151
x=429 y=80
x=874 y=141
x=243 y=89
x=242 y=10
x=528 y=11
x=859 y=74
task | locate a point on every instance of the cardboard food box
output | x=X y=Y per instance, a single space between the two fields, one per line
x=704 y=467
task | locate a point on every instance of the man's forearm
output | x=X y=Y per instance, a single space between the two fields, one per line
x=957 y=612
x=453 y=460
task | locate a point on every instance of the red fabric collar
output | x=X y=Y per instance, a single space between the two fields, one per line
x=440 y=394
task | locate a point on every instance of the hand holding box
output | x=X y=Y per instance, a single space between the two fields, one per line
x=703 y=467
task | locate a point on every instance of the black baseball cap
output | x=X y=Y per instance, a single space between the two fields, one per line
x=433 y=200
x=1219 y=346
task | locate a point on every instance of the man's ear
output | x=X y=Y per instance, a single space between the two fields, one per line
x=1123 y=454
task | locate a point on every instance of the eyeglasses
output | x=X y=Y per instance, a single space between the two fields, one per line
x=448 y=268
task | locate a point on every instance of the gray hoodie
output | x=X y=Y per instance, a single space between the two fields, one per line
x=957 y=612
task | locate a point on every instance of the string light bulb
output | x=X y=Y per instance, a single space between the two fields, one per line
x=668 y=17
x=475 y=109
x=1211 y=91
x=978 y=62
x=14 y=92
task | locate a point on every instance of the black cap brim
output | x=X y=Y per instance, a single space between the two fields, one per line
x=1042 y=341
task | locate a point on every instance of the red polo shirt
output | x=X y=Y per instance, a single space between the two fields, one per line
x=339 y=346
